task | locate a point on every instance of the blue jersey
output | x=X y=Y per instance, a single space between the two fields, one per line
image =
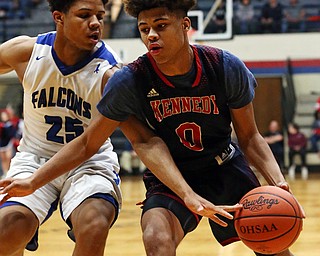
x=59 y=100
x=191 y=113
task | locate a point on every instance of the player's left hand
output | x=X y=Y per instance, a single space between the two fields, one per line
x=11 y=187
x=203 y=207
x=285 y=185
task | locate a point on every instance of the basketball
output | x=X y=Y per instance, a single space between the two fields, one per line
x=270 y=220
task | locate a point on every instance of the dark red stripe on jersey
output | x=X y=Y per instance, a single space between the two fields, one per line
x=166 y=81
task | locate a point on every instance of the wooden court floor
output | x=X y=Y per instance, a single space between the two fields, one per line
x=125 y=236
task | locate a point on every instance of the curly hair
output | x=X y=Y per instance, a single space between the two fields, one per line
x=64 y=5
x=134 y=7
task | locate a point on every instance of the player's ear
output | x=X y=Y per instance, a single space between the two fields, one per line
x=57 y=17
x=186 y=24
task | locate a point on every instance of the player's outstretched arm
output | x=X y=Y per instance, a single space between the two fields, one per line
x=155 y=154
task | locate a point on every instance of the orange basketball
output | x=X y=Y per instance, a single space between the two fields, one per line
x=270 y=220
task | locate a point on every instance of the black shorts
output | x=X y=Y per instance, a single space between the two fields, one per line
x=223 y=185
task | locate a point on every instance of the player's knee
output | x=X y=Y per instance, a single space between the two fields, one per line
x=93 y=219
x=95 y=228
x=12 y=220
x=16 y=230
x=158 y=245
x=156 y=241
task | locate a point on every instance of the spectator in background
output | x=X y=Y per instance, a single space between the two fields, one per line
x=315 y=137
x=317 y=105
x=297 y=142
x=20 y=8
x=244 y=17
x=294 y=17
x=274 y=138
x=7 y=132
x=217 y=23
x=12 y=115
x=271 y=17
x=5 y=8
x=12 y=9
x=18 y=135
x=18 y=124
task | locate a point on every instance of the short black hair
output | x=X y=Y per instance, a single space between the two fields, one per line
x=64 y=5
x=134 y=7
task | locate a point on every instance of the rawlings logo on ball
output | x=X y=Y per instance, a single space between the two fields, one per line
x=257 y=204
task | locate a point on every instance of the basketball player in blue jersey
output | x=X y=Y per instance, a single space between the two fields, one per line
x=188 y=95
x=63 y=74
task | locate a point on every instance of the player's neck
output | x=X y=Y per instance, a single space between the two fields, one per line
x=179 y=64
x=69 y=54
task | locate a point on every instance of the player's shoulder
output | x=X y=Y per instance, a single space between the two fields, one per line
x=215 y=51
x=125 y=73
x=123 y=77
x=209 y=53
x=208 y=49
x=141 y=65
x=20 y=42
x=47 y=38
x=232 y=61
x=19 y=48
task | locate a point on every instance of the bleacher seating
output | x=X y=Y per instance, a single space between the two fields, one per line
x=313 y=16
x=40 y=19
x=312 y=8
x=304 y=117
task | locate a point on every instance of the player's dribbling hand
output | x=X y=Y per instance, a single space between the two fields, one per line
x=285 y=186
x=203 y=207
x=11 y=187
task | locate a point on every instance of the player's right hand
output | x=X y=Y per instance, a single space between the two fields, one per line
x=11 y=187
x=203 y=207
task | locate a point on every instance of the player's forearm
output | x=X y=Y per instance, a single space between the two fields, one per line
x=260 y=156
x=156 y=156
x=68 y=158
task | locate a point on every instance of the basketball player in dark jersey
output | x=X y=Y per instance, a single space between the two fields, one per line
x=188 y=95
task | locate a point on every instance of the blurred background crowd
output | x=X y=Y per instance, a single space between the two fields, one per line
x=249 y=17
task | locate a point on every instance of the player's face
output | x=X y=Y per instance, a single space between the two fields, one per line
x=83 y=23
x=164 y=34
